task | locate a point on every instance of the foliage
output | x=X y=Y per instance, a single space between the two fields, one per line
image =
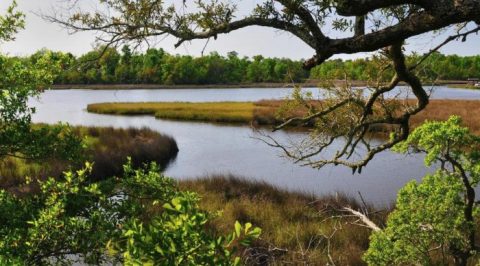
x=178 y=237
x=20 y=81
x=427 y=220
x=436 y=218
x=437 y=66
x=155 y=66
x=60 y=220
x=11 y=23
x=444 y=139
x=74 y=219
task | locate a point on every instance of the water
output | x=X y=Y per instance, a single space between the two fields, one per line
x=208 y=149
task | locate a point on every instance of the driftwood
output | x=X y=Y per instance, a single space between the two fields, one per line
x=363 y=218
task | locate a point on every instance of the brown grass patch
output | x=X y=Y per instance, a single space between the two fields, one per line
x=440 y=110
x=265 y=112
x=294 y=226
x=107 y=148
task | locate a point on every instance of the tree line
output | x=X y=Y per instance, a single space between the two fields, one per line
x=436 y=66
x=155 y=66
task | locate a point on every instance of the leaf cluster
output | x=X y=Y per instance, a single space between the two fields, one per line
x=141 y=218
x=11 y=22
x=434 y=221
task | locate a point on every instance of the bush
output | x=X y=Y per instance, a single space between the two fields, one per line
x=73 y=219
x=435 y=221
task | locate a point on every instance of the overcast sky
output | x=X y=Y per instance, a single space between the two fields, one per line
x=250 y=41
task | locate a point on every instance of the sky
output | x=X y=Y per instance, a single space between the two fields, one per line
x=252 y=41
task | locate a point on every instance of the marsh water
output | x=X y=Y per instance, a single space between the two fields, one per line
x=212 y=149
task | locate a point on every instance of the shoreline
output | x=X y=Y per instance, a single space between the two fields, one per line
x=263 y=85
x=179 y=87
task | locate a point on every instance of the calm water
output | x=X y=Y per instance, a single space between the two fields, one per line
x=207 y=149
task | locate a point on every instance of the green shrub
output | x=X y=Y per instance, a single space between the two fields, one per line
x=140 y=218
x=434 y=221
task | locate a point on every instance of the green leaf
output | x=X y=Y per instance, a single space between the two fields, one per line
x=238 y=228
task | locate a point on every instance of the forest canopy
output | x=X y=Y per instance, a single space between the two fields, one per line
x=155 y=66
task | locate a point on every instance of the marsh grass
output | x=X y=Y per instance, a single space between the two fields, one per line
x=228 y=112
x=112 y=147
x=463 y=86
x=441 y=110
x=265 y=112
x=107 y=148
x=297 y=229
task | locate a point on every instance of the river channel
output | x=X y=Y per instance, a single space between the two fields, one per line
x=212 y=149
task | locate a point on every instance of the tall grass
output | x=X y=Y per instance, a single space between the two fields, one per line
x=229 y=112
x=113 y=146
x=441 y=110
x=265 y=112
x=107 y=148
x=297 y=229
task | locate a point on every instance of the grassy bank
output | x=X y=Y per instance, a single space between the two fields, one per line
x=463 y=86
x=297 y=229
x=264 y=112
x=228 y=112
x=441 y=110
x=108 y=148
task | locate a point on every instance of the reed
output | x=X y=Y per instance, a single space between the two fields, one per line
x=297 y=228
x=107 y=148
x=265 y=112
x=440 y=110
x=227 y=112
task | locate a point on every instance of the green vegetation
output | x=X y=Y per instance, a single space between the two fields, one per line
x=297 y=228
x=437 y=66
x=20 y=81
x=158 y=67
x=107 y=147
x=435 y=222
x=140 y=218
x=231 y=112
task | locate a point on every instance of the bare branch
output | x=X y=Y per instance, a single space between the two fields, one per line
x=369 y=223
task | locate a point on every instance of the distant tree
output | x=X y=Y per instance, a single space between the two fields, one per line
x=390 y=23
x=126 y=55
x=254 y=70
x=108 y=62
